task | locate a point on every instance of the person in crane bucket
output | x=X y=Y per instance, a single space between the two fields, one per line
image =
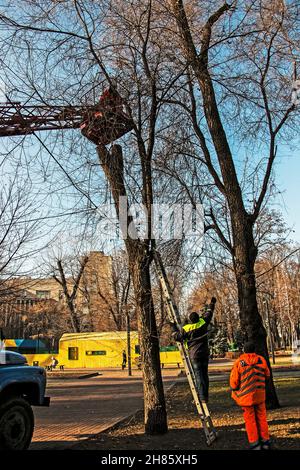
x=111 y=101
x=107 y=122
x=195 y=337
x=248 y=383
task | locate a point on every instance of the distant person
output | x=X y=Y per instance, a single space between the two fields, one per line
x=138 y=362
x=124 y=360
x=247 y=382
x=54 y=362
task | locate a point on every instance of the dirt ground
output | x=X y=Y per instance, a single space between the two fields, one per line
x=184 y=426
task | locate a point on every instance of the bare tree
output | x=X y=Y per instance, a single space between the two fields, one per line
x=278 y=287
x=251 y=39
x=70 y=289
x=20 y=229
x=191 y=74
x=105 y=287
x=139 y=268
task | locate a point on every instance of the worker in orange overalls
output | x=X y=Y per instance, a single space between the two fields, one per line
x=247 y=382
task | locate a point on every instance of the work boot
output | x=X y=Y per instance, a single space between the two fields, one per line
x=266 y=445
x=255 y=446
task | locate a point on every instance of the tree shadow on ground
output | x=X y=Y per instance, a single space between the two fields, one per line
x=230 y=438
x=129 y=435
x=232 y=435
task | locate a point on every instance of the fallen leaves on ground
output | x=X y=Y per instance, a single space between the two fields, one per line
x=185 y=431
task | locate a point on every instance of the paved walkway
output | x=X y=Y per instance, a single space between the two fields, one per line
x=83 y=407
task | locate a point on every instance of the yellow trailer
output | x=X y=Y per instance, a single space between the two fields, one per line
x=96 y=349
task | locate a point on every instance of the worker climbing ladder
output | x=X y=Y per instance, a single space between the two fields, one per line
x=174 y=317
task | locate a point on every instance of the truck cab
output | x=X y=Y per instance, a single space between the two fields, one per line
x=21 y=387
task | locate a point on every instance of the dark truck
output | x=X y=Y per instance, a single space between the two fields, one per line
x=21 y=386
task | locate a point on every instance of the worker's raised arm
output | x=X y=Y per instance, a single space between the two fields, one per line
x=209 y=311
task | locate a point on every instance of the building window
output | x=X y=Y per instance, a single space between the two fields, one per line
x=43 y=294
x=73 y=354
x=95 y=353
x=137 y=349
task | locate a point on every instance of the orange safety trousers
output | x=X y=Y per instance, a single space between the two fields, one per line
x=256 y=422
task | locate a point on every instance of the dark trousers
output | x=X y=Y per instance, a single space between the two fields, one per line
x=200 y=367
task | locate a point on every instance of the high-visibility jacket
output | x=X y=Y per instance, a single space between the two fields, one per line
x=248 y=379
x=194 y=336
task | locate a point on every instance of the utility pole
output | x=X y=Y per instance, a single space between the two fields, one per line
x=38 y=342
x=270 y=332
x=128 y=329
x=128 y=326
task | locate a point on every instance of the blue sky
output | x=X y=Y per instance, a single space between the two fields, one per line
x=287 y=171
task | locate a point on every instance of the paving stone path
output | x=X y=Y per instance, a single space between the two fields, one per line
x=86 y=406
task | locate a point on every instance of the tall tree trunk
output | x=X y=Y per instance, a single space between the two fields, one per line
x=139 y=267
x=243 y=250
x=73 y=317
x=154 y=402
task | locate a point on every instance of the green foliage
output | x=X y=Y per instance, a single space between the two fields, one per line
x=168 y=348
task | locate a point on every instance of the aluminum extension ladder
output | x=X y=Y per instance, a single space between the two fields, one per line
x=174 y=317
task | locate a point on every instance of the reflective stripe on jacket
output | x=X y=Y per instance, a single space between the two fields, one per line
x=190 y=328
x=194 y=336
x=247 y=379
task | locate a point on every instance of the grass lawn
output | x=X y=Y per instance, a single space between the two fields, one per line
x=184 y=425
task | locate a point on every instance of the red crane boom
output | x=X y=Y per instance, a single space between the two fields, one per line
x=99 y=124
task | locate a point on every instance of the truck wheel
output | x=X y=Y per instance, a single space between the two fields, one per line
x=16 y=424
